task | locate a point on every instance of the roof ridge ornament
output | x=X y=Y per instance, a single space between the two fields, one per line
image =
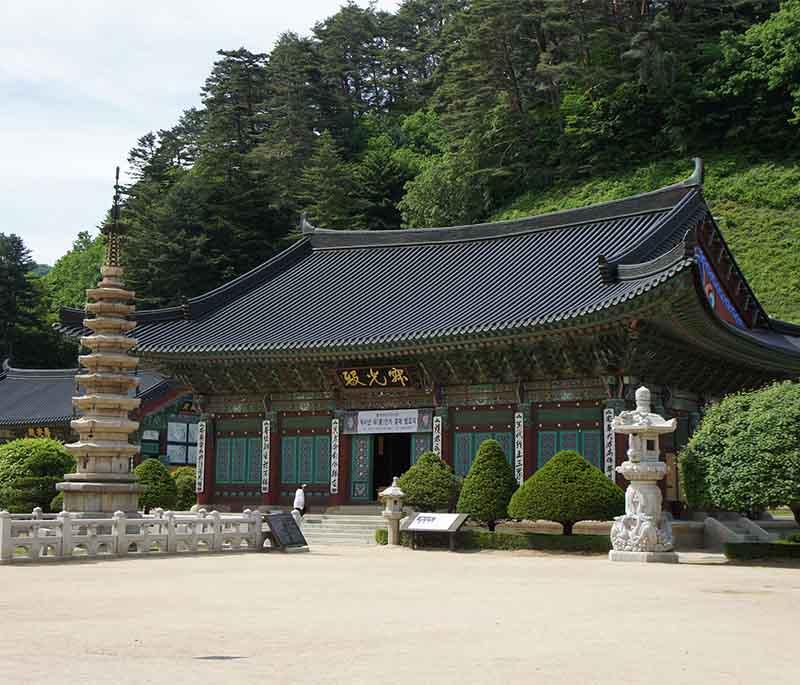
x=698 y=174
x=306 y=227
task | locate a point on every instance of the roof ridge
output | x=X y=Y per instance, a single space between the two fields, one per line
x=643 y=203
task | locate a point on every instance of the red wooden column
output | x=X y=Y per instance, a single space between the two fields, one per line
x=207 y=495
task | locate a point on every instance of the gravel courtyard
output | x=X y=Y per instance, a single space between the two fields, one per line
x=372 y=615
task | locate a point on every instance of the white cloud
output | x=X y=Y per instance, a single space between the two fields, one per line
x=81 y=81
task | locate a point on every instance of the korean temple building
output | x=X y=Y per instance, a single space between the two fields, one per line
x=340 y=360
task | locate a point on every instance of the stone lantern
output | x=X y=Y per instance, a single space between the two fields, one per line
x=393 y=510
x=644 y=533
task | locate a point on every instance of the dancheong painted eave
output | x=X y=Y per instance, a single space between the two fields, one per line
x=351 y=291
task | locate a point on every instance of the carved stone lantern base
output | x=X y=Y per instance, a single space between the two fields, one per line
x=651 y=557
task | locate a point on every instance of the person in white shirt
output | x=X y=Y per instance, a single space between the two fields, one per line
x=300 y=499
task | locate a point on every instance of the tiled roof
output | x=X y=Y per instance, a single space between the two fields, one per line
x=44 y=396
x=347 y=291
x=354 y=288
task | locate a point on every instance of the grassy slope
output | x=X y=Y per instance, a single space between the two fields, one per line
x=755 y=202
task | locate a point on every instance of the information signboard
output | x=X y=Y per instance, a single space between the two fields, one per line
x=285 y=531
x=425 y=522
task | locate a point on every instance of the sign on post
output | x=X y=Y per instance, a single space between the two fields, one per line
x=425 y=522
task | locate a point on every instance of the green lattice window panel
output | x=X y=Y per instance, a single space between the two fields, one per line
x=238 y=461
x=588 y=443
x=466 y=447
x=306 y=459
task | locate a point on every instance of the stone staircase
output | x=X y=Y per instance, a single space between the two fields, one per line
x=341 y=529
x=731 y=527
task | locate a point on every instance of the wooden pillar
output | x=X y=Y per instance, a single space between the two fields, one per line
x=209 y=463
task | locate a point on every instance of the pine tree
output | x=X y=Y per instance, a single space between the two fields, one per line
x=325 y=187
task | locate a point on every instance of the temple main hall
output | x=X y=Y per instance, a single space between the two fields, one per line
x=343 y=358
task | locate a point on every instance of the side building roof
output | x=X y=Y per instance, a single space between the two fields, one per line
x=348 y=291
x=44 y=396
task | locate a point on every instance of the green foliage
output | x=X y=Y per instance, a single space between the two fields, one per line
x=749 y=551
x=488 y=486
x=481 y=539
x=185 y=481
x=29 y=471
x=745 y=455
x=66 y=283
x=430 y=484
x=793 y=538
x=57 y=503
x=755 y=200
x=567 y=489
x=160 y=489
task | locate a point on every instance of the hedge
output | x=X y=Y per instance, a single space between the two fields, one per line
x=29 y=471
x=747 y=551
x=159 y=486
x=477 y=539
x=488 y=486
x=567 y=489
x=185 y=483
x=430 y=484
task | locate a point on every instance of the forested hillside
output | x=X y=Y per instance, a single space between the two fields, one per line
x=454 y=111
x=755 y=201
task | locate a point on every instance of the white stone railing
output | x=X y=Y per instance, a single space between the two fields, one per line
x=32 y=537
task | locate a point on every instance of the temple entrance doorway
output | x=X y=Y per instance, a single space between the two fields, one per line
x=392 y=457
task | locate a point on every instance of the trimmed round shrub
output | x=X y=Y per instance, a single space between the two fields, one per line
x=185 y=477
x=29 y=471
x=57 y=503
x=488 y=486
x=745 y=456
x=567 y=489
x=159 y=486
x=430 y=484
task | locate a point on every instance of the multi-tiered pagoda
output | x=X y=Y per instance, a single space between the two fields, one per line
x=103 y=482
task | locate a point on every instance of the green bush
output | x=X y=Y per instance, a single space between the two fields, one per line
x=567 y=489
x=57 y=503
x=29 y=471
x=745 y=456
x=382 y=536
x=159 y=485
x=746 y=551
x=793 y=538
x=185 y=479
x=430 y=484
x=488 y=486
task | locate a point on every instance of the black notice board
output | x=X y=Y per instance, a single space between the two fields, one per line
x=285 y=531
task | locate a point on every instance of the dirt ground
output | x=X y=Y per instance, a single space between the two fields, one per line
x=390 y=615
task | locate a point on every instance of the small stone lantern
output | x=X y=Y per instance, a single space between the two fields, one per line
x=644 y=533
x=393 y=510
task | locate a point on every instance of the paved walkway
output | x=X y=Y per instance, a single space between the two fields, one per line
x=355 y=615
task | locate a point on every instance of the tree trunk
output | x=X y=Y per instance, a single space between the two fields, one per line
x=567 y=527
x=491 y=525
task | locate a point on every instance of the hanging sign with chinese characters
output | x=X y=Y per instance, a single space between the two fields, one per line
x=376 y=377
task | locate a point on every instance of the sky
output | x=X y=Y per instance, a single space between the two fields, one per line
x=80 y=81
